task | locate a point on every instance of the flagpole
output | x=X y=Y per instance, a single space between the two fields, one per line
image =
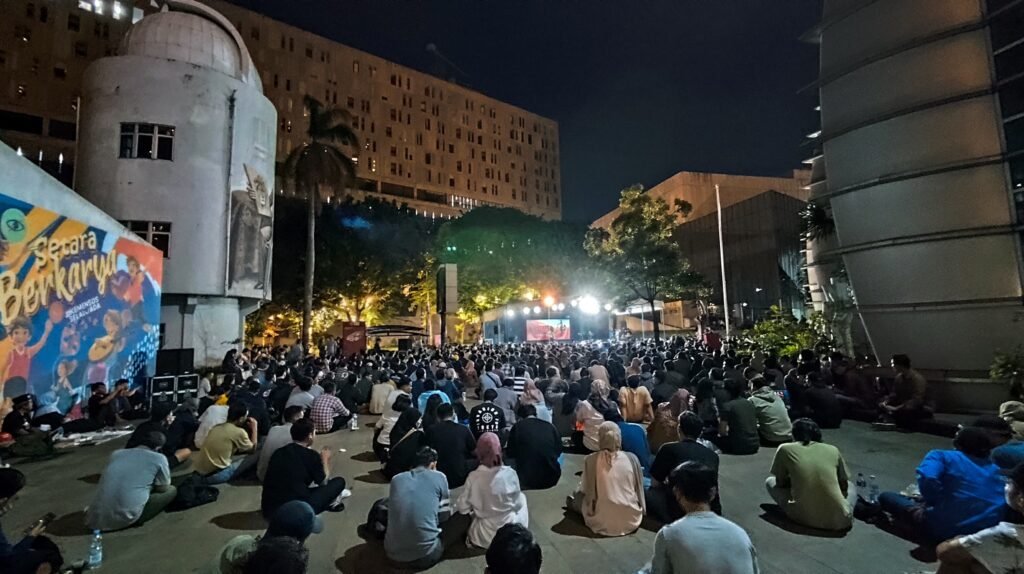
x=721 y=258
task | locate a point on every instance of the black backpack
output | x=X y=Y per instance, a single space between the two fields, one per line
x=192 y=493
x=377 y=520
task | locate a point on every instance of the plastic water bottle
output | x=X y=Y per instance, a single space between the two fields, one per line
x=872 y=488
x=96 y=550
x=353 y=424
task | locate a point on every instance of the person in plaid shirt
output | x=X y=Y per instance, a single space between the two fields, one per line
x=328 y=413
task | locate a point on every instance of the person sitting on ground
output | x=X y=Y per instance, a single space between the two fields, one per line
x=454 y=444
x=104 y=406
x=379 y=394
x=513 y=550
x=278 y=437
x=661 y=501
x=701 y=541
x=278 y=555
x=302 y=394
x=1013 y=413
x=909 y=401
x=611 y=492
x=211 y=417
x=492 y=495
x=487 y=417
x=634 y=440
x=533 y=396
x=810 y=482
x=429 y=390
x=34 y=551
x=535 y=448
x=664 y=428
x=296 y=466
x=993 y=550
x=737 y=429
x=406 y=439
x=430 y=415
x=295 y=520
x=563 y=398
x=418 y=502
x=17 y=422
x=590 y=416
x=399 y=400
x=182 y=430
x=821 y=402
x=506 y=400
x=135 y=486
x=251 y=395
x=236 y=436
x=636 y=402
x=327 y=411
x=961 y=491
x=706 y=406
x=450 y=385
x=663 y=390
x=161 y=416
x=773 y=422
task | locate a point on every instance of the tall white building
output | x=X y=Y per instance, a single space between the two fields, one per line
x=177 y=140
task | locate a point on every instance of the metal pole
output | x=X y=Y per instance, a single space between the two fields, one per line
x=721 y=257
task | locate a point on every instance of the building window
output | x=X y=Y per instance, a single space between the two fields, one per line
x=291 y=44
x=158 y=234
x=355 y=66
x=147 y=141
x=309 y=52
x=74 y=22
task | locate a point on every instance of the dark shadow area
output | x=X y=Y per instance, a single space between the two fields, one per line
x=773 y=515
x=373 y=477
x=460 y=551
x=69 y=525
x=247 y=520
x=572 y=525
x=90 y=478
x=925 y=551
x=365 y=557
x=650 y=524
x=366 y=456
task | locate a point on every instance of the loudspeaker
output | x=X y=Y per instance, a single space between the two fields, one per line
x=188 y=382
x=174 y=361
x=163 y=384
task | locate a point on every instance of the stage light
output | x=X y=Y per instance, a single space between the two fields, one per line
x=526 y=310
x=536 y=309
x=510 y=313
x=560 y=307
x=549 y=301
x=590 y=305
x=574 y=302
x=607 y=306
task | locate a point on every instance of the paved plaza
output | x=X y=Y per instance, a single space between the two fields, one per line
x=185 y=541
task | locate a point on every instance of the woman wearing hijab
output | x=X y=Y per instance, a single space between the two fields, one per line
x=492 y=495
x=611 y=495
x=665 y=427
x=589 y=416
x=532 y=396
x=406 y=439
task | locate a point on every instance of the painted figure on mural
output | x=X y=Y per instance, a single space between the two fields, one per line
x=252 y=221
x=19 y=358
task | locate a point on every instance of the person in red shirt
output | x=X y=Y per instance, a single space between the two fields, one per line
x=19 y=360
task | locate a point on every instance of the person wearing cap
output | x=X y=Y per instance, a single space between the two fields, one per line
x=294 y=467
x=17 y=422
x=996 y=549
x=135 y=486
x=295 y=520
x=961 y=490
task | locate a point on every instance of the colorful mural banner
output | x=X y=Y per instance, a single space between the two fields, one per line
x=78 y=305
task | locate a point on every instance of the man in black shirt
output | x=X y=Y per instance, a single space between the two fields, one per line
x=737 y=429
x=822 y=404
x=487 y=417
x=294 y=467
x=535 y=446
x=454 y=444
x=661 y=503
x=257 y=406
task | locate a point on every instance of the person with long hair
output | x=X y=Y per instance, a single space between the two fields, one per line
x=492 y=495
x=611 y=493
x=810 y=482
x=406 y=439
x=430 y=415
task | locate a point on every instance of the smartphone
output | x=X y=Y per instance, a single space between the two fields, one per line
x=42 y=522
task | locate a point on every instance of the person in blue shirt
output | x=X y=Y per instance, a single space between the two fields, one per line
x=450 y=385
x=961 y=490
x=634 y=440
x=429 y=390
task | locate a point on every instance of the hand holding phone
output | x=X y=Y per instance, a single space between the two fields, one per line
x=40 y=525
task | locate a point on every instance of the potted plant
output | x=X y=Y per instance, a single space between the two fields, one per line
x=1009 y=367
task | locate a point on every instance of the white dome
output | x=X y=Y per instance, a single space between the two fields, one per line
x=185 y=37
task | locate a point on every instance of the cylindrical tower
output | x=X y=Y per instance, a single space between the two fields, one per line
x=177 y=140
x=920 y=106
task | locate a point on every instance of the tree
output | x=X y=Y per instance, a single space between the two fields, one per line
x=639 y=251
x=313 y=168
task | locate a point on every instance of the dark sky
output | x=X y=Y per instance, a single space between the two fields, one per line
x=641 y=89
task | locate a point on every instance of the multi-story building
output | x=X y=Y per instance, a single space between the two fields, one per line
x=437 y=146
x=922 y=135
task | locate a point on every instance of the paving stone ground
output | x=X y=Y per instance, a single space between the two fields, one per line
x=185 y=541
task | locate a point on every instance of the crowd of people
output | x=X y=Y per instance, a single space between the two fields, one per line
x=463 y=431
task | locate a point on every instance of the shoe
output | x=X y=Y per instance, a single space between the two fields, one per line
x=344 y=494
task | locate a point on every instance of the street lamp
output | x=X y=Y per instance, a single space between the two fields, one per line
x=549 y=301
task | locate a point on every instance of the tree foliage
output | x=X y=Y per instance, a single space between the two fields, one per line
x=640 y=254
x=782 y=332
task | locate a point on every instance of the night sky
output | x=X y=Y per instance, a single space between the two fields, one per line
x=640 y=89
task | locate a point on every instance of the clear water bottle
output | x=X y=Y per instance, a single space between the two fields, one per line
x=96 y=550
x=872 y=488
x=353 y=424
x=862 y=484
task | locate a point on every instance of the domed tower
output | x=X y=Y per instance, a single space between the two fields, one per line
x=177 y=141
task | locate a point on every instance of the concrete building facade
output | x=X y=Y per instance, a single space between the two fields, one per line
x=922 y=136
x=177 y=140
x=437 y=146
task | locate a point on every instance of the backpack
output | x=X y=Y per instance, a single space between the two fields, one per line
x=377 y=520
x=192 y=493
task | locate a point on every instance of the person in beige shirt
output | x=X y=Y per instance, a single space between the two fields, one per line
x=215 y=463
x=636 y=402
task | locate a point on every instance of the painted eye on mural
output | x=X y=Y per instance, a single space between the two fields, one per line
x=12 y=225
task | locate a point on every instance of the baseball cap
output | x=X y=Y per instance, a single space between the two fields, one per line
x=295 y=519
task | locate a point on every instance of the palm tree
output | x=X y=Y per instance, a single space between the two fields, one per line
x=315 y=166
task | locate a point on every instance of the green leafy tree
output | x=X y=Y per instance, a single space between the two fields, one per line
x=639 y=253
x=314 y=167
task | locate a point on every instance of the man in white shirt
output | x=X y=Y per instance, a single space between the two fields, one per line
x=212 y=416
x=301 y=395
x=277 y=437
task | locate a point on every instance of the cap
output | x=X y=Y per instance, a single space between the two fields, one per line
x=295 y=519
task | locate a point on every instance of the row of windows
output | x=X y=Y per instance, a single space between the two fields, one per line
x=146 y=141
x=1006 y=27
x=157 y=233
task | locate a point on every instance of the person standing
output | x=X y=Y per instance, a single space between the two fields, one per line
x=135 y=486
x=294 y=467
